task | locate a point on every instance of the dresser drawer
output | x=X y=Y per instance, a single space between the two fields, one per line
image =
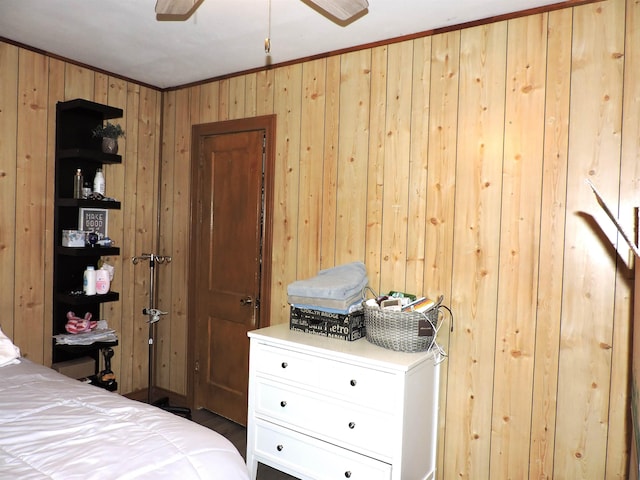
x=311 y=458
x=361 y=385
x=367 y=431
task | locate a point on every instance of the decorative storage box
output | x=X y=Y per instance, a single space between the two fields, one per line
x=73 y=238
x=77 y=368
x=318 y=322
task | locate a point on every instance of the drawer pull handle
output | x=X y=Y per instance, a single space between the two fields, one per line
x=279 y=447
x=353 y=383
x=352 y=425
x=284 y=365
x=283 y=403
x=347 y=474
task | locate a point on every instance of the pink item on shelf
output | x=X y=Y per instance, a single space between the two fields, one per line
x=102 y=282
x=79 y=325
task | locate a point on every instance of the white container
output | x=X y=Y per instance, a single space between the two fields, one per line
x=89 y=281
x=73 y=238
x=98 y=182
x=103 y=281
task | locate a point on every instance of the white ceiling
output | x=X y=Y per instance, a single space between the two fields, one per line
x=222 y=37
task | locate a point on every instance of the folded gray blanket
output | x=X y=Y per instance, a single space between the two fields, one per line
x=339 y=283
x=338 y=304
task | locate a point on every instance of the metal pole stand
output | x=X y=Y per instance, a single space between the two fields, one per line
x=153 y=315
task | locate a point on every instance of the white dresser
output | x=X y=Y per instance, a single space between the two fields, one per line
x=324 y=408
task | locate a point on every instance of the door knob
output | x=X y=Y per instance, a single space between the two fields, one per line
x=246 y=301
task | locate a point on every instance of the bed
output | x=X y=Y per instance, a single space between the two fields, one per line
x=52 y=426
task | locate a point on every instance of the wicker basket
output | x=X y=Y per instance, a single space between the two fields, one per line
x=400 y=330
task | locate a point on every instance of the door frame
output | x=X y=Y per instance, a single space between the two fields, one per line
x=268 y=124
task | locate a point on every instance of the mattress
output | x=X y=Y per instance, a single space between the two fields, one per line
x=52 y=426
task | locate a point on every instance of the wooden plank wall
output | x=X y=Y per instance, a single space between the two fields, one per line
x=456 y=164
x=453 y=164
x=30 y=86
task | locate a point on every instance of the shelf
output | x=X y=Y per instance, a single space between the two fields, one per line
x=77 y=148
x=86 y=203
x=81 y=104
x=87 y=299
x=88 y=251
x=82 y=350
x=90 y=347
x=89 y=155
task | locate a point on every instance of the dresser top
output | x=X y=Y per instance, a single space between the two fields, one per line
x=358 y=350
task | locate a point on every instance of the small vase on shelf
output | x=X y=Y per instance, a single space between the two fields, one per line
x=109 y=145
x=109 y=132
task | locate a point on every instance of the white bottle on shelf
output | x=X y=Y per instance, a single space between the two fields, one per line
x=98 y=182
x=89 y=281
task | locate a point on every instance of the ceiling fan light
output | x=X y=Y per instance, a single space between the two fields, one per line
x=174 y=7
x=342 y=9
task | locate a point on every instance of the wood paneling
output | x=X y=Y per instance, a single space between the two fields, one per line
x=519 y=249
x=31 y=209
x=287 y=195
x=8 y=184
x=352 y=159
x=441 y=187
x=55 y=91
x=175 y=239
x=418 y=163
x=551 y=257
x=476 y=253
x=311 y=163
x=330 y=163
x=623 y=332
x=588 y=313
x=112 y=91
x=395 y=196
x=453 y=164
x=375 y=168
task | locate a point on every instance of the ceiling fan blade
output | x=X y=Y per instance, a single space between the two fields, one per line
x=342 y=9
x=174 y=7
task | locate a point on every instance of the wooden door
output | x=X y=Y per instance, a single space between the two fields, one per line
x=227 y=250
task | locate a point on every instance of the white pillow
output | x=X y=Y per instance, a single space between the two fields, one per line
x=9 y=353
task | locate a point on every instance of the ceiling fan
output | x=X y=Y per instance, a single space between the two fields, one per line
x=341 y=9
x=177 y=8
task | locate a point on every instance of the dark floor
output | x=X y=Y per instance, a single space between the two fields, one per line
x=237 y=434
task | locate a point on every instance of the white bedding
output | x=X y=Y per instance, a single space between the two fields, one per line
x=55 y=427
